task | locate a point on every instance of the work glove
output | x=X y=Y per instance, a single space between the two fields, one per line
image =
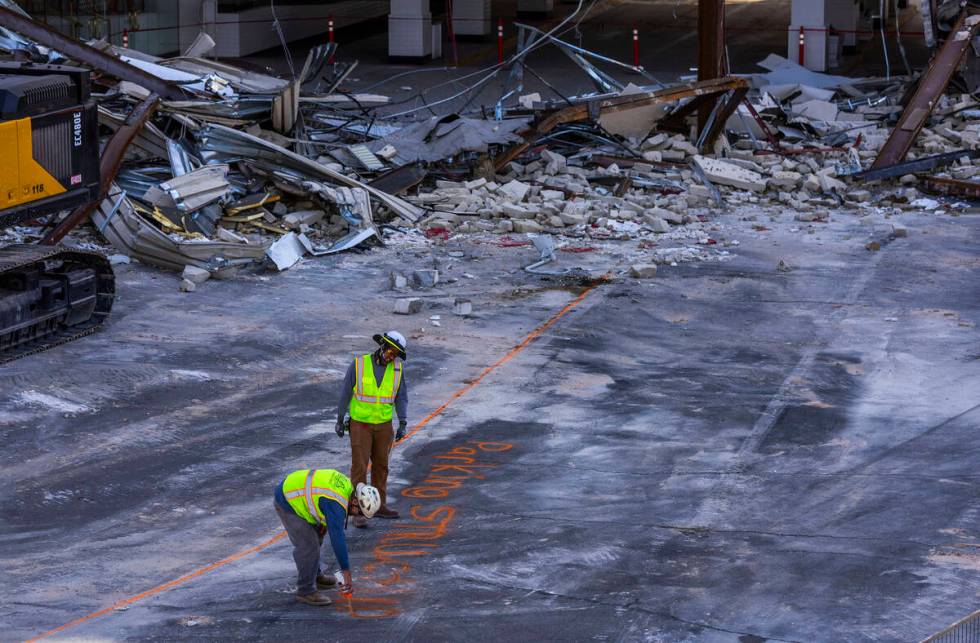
x=400 y=433
x=340 y=428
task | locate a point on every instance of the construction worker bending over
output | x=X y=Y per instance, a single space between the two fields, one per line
x=310 y=504
x=373 y=387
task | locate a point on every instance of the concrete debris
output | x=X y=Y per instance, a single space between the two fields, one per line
x=195 y=274
x=398 y=281
x=425 y=278
x=643 y=270
x=186 y=285
x=240 y=169
x=408 y=306
x=462 y=307
x=725 y=173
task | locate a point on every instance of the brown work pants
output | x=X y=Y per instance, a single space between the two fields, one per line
x=370 y=442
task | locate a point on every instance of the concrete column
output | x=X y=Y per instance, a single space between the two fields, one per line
x=812 y=15
x=409 y=29
x=471 y=17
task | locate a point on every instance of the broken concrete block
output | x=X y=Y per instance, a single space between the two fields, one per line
x=515 y=190
x=186 y=285
x=408 y=306
x=526 y=225
x=908 y=179
x=643 y=270
x=573 y=219
x=785 y=179
x=475 y=183
x=505 y=225
x=517 y=211
x=462 y=307
x=425 y=278
x=670 y=155
x=116 y=260
x=829 y=184
x=654 y=141
x=860 y=196
x=899 y=231
x=552 y=195
x=656 y=224
x=653 y=156
x=699 y=191
x=666 y=215
x=684 y=147
x=398 y=281
x=195 y=274
x=730 y=174
x=294 y=220
x=554 y=163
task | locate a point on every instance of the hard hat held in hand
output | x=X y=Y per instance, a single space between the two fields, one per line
x=368 y=499
x=394 y=339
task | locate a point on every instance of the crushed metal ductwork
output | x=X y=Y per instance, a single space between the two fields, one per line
x=241 y=168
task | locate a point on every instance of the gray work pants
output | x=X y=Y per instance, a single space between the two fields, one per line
x=306 y=541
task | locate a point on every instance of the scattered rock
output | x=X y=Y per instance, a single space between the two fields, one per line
x=408 y=306
x=425 y=278
x=195 y=275
x=462 y=307
x=730 y=174
x=525 y=225
x=515 y=190
x=643 y=270
x=398 y=281
x=186 y=285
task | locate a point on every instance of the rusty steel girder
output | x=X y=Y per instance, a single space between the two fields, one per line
x=931 y=86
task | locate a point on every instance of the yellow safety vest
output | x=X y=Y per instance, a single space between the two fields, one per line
x=304 y=488
x=370 y=403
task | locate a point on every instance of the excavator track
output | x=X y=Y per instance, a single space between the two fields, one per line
x=50 y=295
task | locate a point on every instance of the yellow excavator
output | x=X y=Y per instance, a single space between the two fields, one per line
x=49 y=163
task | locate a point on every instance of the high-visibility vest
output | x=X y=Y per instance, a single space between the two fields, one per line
x=370 y=403
x=304 y=488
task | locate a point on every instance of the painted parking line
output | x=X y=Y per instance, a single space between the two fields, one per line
x=530 y=337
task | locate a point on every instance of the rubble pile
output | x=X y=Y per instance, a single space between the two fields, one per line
x=234 y=168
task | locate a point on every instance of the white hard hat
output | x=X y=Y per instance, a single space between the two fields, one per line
x=368 y=499
x=393 y=338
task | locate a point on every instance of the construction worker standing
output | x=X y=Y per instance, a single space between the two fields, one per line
x=310 y=504
x=373 y=388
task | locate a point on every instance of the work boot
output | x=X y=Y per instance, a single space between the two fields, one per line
x=316 y=598
x=324 y=581
x=360 y=521
x=385 y=512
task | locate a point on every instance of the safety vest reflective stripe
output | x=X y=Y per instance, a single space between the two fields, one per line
x=359 y=374
x=310 y=505
x=374 y=399
x=309 y=493
x=318 y=491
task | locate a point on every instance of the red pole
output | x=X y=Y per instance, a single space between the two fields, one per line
x=500 y=40
x=802 y=45
x=636 y=46
x=330 y=35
